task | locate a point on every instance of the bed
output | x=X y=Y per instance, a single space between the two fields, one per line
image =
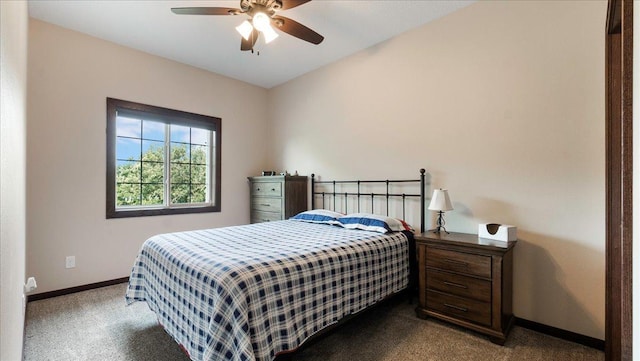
x=258 y=291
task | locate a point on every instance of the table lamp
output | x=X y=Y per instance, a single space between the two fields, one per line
x=440 y=202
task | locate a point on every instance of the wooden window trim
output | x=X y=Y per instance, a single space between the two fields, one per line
x=164 y=115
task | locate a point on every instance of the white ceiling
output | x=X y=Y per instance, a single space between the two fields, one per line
x=212 y=43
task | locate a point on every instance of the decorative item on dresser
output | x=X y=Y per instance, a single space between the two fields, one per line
x=466 y=280
x=274 y=198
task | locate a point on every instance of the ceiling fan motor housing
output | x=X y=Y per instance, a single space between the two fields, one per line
x=271 y=6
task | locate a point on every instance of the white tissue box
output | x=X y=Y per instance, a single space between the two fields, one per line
x=499 y=232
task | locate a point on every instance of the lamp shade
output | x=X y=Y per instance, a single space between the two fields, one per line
x=245 y=29
x=269 y=34
x=440 y=201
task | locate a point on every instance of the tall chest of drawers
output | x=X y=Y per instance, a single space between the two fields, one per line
x=467 y=281
x=275 y=198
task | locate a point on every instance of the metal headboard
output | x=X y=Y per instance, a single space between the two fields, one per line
x=334 y=194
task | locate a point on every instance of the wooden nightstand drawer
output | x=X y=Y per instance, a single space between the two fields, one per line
x=272 y=189
x=459 y=285
x=471 y=310
x=471 y=264
x=259 y=216
x=266 y=204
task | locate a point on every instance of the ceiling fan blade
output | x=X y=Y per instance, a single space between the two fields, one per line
x=248 y=44
x=296 y=29
x=206 y=11
x=289 y=4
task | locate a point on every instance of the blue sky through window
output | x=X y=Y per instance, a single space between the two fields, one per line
x=135 y=136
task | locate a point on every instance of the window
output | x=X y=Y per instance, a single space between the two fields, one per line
x=161 y=161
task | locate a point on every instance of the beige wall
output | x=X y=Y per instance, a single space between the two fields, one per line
x=13 y=106
x=69 y=76
x=503 y=103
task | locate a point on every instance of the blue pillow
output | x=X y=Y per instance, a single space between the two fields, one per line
x=373 y=222
x=318 y=216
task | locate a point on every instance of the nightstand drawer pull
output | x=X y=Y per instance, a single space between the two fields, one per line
x=455 y=284
x=456 y=307
x=265 y=204
x=453 y=261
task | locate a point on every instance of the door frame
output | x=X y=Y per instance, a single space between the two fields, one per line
x=619 y=172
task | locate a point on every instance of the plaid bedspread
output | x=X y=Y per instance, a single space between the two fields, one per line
x=249 y=292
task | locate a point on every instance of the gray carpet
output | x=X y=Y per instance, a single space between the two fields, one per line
x=96 y=325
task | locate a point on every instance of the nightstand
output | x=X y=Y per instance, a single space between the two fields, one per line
x=274 y=198
x=467 y=281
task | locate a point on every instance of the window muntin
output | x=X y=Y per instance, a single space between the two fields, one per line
x=161 y=161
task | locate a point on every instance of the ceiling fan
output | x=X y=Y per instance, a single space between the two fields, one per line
x=262 y=14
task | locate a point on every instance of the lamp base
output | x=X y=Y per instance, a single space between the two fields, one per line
x=440 y=223
x=437 y=230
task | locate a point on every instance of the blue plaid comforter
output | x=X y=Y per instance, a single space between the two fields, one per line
x=249 y=292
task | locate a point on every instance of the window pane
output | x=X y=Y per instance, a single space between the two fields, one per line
x=199 y=174
x=127 y=194
x=179 y=152
x=179 y=193
x=127 y=149
x=153 y=150
x=128 y=172
x=180 y=134
x=152 y=172
x=128 y=127
x=152 y=130
x=152 y=194
x=198 y=193
x=199 y=136
x=199 y=154
x=180 y=173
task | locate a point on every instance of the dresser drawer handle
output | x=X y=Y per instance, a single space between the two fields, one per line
x=455 y=284
x=453 y=261
x=265 y=204
x=273 y=189
x=258 y=189
x=456 y=307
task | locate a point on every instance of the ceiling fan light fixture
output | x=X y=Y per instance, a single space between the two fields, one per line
x=245 y=29
x=263 y=18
